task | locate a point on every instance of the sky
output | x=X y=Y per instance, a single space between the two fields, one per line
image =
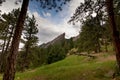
x=50 y=23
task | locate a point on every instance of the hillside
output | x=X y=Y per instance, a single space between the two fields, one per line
x=74 y=68
x=57 y=40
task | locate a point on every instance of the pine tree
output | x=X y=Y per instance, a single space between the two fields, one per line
x=90 y=36
x=93 y=6
x=7 y=32
x=11 y=61
x=30 y=31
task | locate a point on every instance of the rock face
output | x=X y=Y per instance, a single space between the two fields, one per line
x=76 y=38
x=58 y=39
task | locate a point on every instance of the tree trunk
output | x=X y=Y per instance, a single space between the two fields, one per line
x=115 y=34
x=5 y=39
x=2 y=55
x=5 y=53
x=11 y=60
x=9 y=40
x=26 y=62
x=3 y=48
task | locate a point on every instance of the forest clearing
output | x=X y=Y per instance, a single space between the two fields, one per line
x=59 y=39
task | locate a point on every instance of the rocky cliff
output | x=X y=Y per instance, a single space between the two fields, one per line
x=58 y=39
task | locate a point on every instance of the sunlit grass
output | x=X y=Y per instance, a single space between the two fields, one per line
x=72 y=68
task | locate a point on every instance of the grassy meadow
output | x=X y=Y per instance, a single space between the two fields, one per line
x=74 y=68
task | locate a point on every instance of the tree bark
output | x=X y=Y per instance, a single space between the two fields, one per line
x=115 y=33
x=11 y=60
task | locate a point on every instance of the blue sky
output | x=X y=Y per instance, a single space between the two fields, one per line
x=50 y=23
x=56 y=17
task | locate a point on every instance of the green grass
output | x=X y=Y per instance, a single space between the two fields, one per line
x=72 y=68
x=0 y=77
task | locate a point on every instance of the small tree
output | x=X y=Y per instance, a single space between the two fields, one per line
x=30 y=31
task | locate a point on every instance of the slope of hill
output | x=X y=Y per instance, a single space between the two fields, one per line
x=58 y=39
x=74 y=68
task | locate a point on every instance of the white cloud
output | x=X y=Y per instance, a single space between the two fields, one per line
x=9 y=5
x=48 y=30
x=73 y=5
x=46 y=14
